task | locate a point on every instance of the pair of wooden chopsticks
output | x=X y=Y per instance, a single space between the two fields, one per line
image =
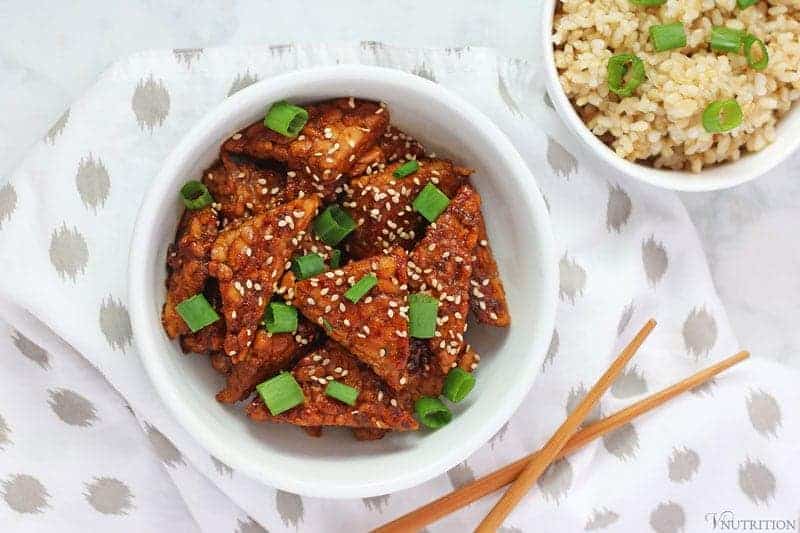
x=524 y=472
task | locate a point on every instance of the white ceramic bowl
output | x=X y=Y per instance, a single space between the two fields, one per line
x=749 y=167
x=336 y=465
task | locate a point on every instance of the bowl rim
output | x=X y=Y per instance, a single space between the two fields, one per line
x=140 y=290
x=678 y=180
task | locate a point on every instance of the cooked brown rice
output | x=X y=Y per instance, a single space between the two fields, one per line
x=661 y=123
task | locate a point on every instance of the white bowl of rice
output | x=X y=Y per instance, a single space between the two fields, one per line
x=658 y=133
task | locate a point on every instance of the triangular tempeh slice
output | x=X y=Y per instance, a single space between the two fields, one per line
x=375 y=329
x=337 y=134
x=187 y=264
x=382 y=205
x=441 y=266
x=248 y=259
x=376 y=405
x=487 y=295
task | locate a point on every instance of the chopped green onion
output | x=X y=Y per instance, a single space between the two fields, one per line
x=280 y=393
x=361 y=287
x=458 y=384
x=343 y=393
x=307 y=266
x=743 y=4
x=280 y=318
x=406 y=169
x=722 y=116
x=667 y=36
x=327 y=325
x=647 y=3
x=333 y=225
x=197 y=312
x=757 y=64
x=726 y=39
x=430 y=202
x=432 y=412
x=620 y=66
x=335 y=259
x=286 y=119
x=422 y=315
x=195 y=195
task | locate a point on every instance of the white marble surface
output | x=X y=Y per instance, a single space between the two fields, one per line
x=51 y=51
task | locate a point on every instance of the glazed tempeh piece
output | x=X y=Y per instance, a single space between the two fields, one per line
x=248 y=259
x=337 y=134
x=375 y=329
x=376 y=406
x=241 y=187
x=381 y=204
x=269 y=354
x=187 y=264
x=441 y=265
x=487 y=295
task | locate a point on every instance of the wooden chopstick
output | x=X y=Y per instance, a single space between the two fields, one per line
x=519 y=488
x=449 y=503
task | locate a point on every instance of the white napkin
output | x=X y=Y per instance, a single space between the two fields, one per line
x=627 y=252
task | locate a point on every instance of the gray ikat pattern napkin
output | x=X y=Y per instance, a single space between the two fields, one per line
x=72 y=457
